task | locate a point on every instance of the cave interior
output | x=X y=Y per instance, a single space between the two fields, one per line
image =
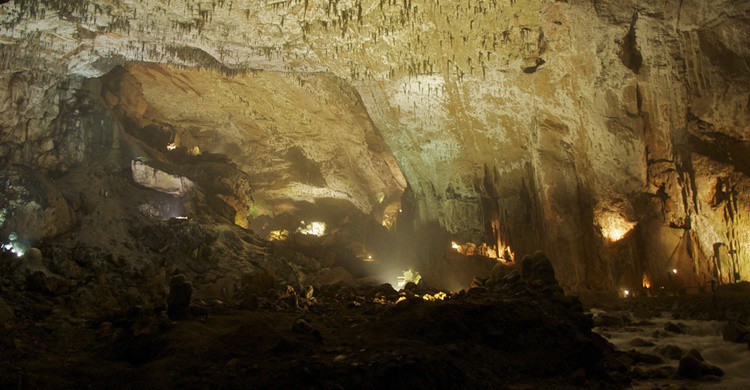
x=234 y=193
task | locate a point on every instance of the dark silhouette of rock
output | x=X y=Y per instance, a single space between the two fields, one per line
x=693 y=366
x=303 y=327
x=639 y=342
x=604 y=320
x=539 y=274
x=678 y=328
x=736 y=331
x=689 y=368
x=178 y=301
x=645 y=358
x=671 y=352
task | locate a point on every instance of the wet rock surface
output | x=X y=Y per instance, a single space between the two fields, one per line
x=690 y=347
x=693 y=366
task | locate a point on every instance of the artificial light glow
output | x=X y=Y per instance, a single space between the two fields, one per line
x=408 y=276
x=182 y=217
x=470 y=249
x=15 y=249
x=438 y=296
x=172 y=146
x=674 y=271
x=615 y=227
x=278 y=235
x=368 y=259
x=314 y=229
x=626 y=292
x=507 y=254
x=646 y=281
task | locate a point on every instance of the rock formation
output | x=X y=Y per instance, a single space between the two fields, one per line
x=611 y=134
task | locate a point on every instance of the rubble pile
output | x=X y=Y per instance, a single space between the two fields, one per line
x=521 y=329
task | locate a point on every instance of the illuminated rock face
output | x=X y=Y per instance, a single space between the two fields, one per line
x=532 y=123
x=299 y=137
x=160 y=181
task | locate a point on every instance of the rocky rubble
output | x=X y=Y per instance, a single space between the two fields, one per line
x=335 y=335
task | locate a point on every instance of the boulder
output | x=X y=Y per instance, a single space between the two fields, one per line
x=671 y=352
x=178 y=301
x=689 y=368
x=693 y=366
x=512 y=277
x=736 y=331
x=678 y=328
x=303 y=327
x=605 y=320
x=538 y=267
x=639 y=342
x=499 y=271
x=645 y=358
x=32 y=262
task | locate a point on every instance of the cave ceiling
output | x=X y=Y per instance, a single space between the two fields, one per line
x=543 y=117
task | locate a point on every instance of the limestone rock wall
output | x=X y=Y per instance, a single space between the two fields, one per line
x=299 y=137
x=535 y=124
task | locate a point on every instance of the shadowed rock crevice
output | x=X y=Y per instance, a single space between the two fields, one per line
x=630 y=53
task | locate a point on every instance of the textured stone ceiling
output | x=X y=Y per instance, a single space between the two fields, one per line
x=361 y=40
x=536 y=123
x=299 y=137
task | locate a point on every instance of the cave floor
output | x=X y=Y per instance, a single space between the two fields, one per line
x=345 y=338
x=353 y=337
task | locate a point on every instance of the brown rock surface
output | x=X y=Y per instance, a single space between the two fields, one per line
x=536 y=124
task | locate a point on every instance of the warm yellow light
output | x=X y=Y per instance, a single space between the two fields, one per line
x=507 y=255
x=455 y=246
x=674 y=271
x=172 y=146
x=626 y=292
x=407 y=277
x=314 y=229
x=438 y=296
x=646 y=281
x=614 y=227
x=278 y=235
